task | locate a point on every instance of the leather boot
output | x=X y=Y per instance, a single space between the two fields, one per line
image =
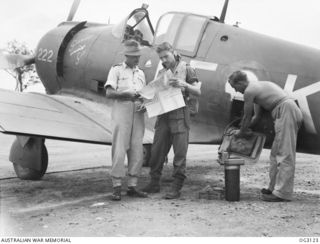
x=133 y=192
x=116 y=195
x=174 y=191
x=153 y=186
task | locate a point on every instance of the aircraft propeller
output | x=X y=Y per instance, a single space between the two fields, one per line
x=73 y=10
x=13 y=61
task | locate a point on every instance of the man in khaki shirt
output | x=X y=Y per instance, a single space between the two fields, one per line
x=124 y=81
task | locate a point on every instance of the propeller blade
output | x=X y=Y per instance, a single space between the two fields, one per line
x=73 y=10
x=13 y=61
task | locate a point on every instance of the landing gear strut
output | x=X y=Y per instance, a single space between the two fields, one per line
x=29 y=157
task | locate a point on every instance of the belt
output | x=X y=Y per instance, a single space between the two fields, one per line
x=276 y=103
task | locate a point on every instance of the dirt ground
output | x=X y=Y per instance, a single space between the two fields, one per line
x=73 y=199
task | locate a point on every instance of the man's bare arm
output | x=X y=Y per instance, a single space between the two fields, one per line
x=193 y=88
x=257 y=115
x=247 y=115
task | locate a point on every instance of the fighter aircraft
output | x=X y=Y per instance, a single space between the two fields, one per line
x=73 y=61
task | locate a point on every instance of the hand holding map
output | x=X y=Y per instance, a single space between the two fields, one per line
x=162 y=96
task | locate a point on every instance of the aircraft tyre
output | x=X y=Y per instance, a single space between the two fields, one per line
x=146 y=154
x=27 y=156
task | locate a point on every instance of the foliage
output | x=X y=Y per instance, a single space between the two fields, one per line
x=26 y=75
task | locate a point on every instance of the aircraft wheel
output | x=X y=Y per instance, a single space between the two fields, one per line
x=146 y=155
x=26 y=173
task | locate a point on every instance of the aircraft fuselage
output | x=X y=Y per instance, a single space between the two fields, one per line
x=75 y=58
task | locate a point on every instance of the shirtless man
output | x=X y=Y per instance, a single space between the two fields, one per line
x=287 y=121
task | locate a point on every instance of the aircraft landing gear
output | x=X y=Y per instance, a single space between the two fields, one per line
x=29 y=157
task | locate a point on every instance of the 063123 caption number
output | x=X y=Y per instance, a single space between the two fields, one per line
x=309 y=239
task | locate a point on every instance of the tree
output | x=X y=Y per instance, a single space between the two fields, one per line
x=26 y=75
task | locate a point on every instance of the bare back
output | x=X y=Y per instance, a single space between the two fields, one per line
x=265 y=93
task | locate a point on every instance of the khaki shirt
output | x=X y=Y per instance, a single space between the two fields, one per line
x=121 y=77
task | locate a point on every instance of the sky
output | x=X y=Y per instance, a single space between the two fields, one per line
x=293 y=20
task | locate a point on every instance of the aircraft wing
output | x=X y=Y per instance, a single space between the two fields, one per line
x=57 y=117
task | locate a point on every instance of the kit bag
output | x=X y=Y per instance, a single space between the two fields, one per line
x=193 y=104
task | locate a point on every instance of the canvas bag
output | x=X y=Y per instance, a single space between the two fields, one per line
x=193 y=104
